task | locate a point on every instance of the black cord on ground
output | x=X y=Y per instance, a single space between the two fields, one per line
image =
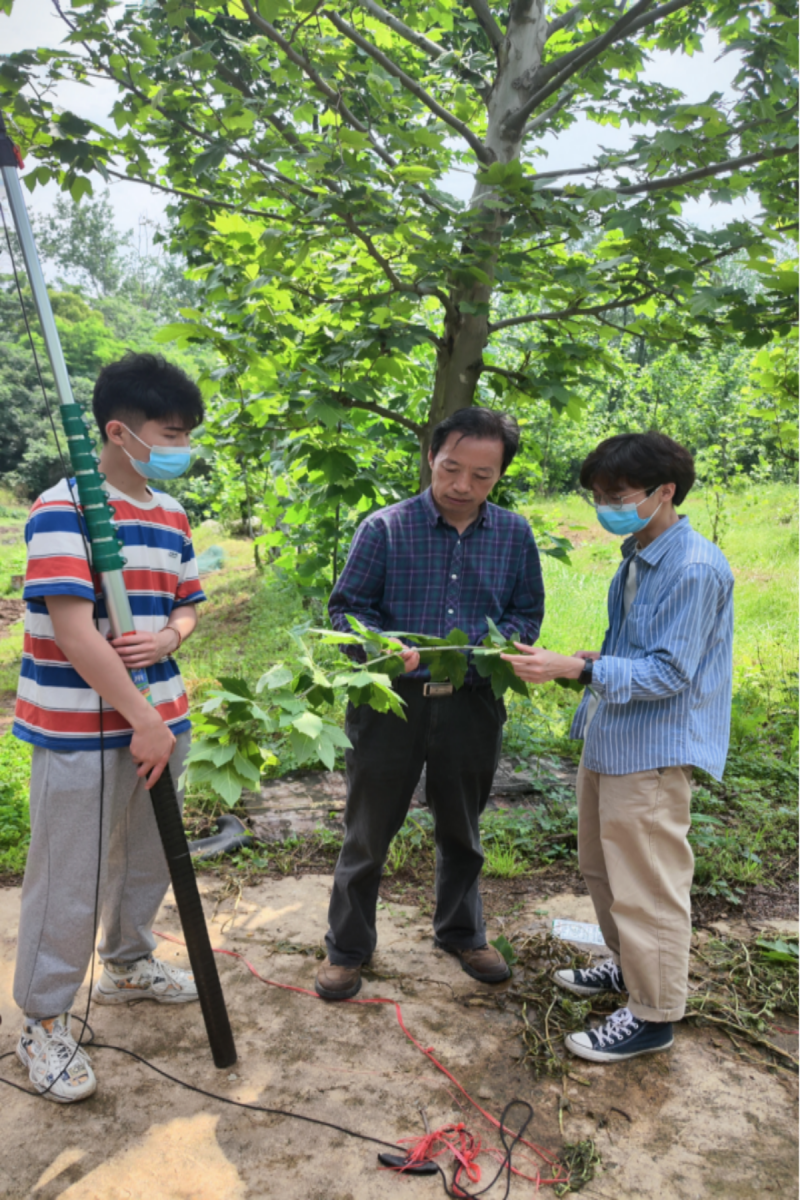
x=457 y=1192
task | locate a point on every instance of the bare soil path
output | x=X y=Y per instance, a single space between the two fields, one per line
x=689 y=1124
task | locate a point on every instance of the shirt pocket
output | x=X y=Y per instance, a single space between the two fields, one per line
x=639 y=625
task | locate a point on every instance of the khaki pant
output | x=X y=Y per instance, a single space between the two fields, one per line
x=638 y=867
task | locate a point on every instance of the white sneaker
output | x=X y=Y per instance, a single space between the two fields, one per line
x=146 y=979
x=57 y=1067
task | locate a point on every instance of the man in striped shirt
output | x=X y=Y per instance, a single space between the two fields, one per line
x=657 y=704
x=441 y=561
x=93 y=731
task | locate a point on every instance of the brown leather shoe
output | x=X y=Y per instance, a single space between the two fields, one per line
x=485 y=963
x=337 y=983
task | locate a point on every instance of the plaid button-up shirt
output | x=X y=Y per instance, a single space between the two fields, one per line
x=409 y=571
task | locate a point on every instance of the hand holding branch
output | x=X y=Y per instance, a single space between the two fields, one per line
x=409 y=655
x=535 y=665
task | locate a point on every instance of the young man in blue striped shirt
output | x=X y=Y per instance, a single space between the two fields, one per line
x=443 y=560
x=657 y=704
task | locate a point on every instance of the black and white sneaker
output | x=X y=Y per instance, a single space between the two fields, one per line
x=622 y=1036
x=607 y=977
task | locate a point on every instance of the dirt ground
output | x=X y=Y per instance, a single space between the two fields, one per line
x=691 y=1123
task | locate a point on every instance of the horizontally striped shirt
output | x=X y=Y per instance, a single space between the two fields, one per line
x=410 y=571
x=665 y=674
x=55 y=707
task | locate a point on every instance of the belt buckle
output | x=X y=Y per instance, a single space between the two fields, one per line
x=437 y=689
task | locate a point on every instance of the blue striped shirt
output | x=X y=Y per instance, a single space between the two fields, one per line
x=410 y=571
x=665 y=676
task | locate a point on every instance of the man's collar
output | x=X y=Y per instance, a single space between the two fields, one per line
x=653 y=553
x=484 y=516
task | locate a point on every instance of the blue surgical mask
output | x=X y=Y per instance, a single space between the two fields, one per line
x=624 y=520
x=166 y=462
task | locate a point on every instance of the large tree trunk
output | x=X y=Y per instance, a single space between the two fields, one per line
x=460 y=357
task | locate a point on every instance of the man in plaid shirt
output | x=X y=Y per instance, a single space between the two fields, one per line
x=444 y=560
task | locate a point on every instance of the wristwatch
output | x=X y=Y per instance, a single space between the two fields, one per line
x=585 y=677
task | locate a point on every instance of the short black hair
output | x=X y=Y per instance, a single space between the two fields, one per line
x=644 y=460
x=148 y=388
x=479 y=423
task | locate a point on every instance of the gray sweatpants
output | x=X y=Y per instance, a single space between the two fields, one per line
x=56 y=928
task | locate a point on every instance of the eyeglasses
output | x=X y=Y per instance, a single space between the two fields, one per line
x=620 y=502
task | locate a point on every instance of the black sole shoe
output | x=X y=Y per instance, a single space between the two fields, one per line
x=338 y=993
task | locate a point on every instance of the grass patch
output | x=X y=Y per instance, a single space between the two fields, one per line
x=13 y=516
x=15 y=836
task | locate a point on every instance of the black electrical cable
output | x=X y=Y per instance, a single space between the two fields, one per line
x=455 y=1191
x=459 y=1194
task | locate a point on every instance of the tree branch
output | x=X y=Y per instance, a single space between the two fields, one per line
x=565 y=19
x=545 y=116
x=410 y=35
x=487 y=23
x=595 y=169
x=517 y=377
x=348 y=402
x=595 y=310
x=730 y=164
x=390 y=273
x=432 y=49
x=411 y=85
x=576 y=311
x=334 y=98
x=562 y=69
x=173 y=191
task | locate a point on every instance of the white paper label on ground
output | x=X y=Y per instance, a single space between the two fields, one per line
x=577 y=931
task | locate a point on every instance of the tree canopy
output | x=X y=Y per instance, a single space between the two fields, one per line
x=306 y=147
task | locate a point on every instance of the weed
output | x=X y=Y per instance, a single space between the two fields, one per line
x=581 y=1161
x=738 y=986
x=416 y=835
x=503 y=862
x=15 y=765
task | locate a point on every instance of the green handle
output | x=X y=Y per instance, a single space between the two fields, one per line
x=94 y=500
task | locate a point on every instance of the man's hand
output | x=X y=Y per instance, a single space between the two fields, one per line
x=151 y=746
x=409 y=655
x=587 y=655
x=144 y=649
x=535 y=665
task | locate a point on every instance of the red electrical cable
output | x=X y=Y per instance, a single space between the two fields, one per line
x=466 y=1149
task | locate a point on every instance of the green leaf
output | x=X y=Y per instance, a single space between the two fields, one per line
x=277 y=677
x=209 y=159
x=221 y=754
x=571 y=685
x=81 y=187
x=225 y=780
x=778 y=950
x=495 y=636
x=448 y=666
x=245 y=768
x=236 y=686
x=457 y=637
x=508 y=952
x=309 y=724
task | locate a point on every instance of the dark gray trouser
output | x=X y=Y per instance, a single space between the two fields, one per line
x=56 y=934
x=459 y=738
